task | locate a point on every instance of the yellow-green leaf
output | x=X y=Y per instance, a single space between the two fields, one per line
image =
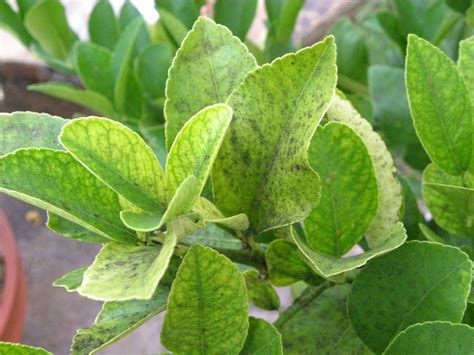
x=196 y=146
x=210 y=64
x=389 y=188
x=55 y=181
x=262 y=169
x=120 y=158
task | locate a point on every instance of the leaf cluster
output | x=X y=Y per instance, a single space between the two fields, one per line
x=270 y=177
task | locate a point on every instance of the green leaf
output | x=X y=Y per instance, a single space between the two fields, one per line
x=71 y=230
x=349 y=196
x=237 y=16
x=152 y=69
x=459 y=5
x=182 y=202
x=119 y=157
x=12 y=21
x=450 y=202
x=424 y=18
x=317 y=323
x=196 y=146
x=421 y=281
x=72 y=280
x=128 y=13
x=20 y=349
x=285 y=265
x=262 y=169
x=433 y=338
x=389 y=189
x=262 y=339
x=326 y=265
x=211 y=59
x=391 y=111
x=185 y=10
x=412 y=216
x=171 y=30
x=390 y=24
x=29 y=130
x=352 y=52
x=207 y=306
x=103 y=26
x=210 y=213
x=124 y=272
x=440 y=106
x=87 y=98
x=430 y=235
x=94 y=67
x=37 y=176
x=47 y=24
x=140 y=222
x=260 y=291
x=282 y=15
x=466 y=64
x=214 y=237
x=122 y=57
x=155 y=138
x=117 y=319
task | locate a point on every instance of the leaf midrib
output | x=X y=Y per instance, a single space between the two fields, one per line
x=257 y=200
x=427 y=293
x=440 y=115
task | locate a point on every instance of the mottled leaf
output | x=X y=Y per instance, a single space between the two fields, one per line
x=262 y=169
x=37 y=176
x=433 y=338
x=286 y=266
x=327 y=265
x=210 y=213
x=207 y=306
x=117 y=319
x=182 y=202
x=450 y=202
x=260 y=291
x=196 y=146
x=210 y=59
x=349 y=196
x=124 y=272
x=29 y=130
x=120 y=158
x=318 y=324
x=440 y=106
x=389 y=189
x=72 y=280
x=262 y=339
x=20 y=349
x=418 y=282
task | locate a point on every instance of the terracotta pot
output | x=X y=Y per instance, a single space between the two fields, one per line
x=13 y=302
